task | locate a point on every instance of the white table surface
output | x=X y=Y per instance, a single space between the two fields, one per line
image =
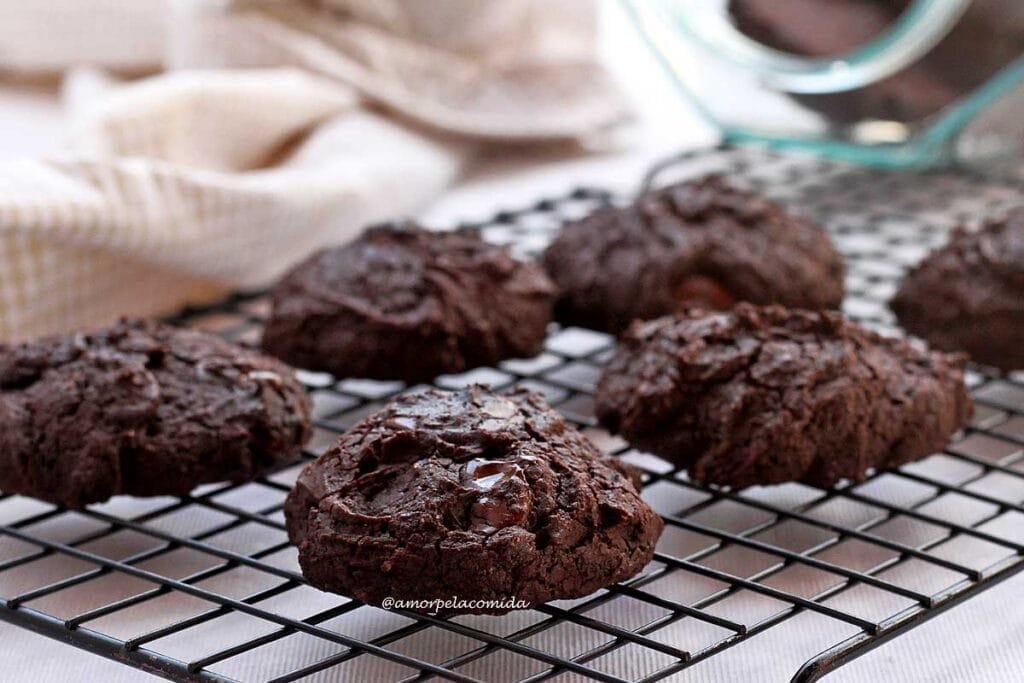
x=982 y=641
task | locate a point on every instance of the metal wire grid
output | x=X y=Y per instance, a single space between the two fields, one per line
x=206 y=587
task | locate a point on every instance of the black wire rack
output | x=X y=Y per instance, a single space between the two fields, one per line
x=206 y=587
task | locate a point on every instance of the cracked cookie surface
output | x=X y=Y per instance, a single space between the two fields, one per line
x=969 y=295
x=471 y=494
x=703 y=243
x=763 y=395
x=142 y=409
x=405 y=303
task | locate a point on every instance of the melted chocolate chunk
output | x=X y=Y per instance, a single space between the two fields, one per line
x=700 y=291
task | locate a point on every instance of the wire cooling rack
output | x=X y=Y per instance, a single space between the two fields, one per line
x=206 y=587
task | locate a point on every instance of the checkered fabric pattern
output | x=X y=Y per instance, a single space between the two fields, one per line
x=192 y=183
x=285 y=127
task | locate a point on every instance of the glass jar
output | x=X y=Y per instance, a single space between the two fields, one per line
x=895 y=83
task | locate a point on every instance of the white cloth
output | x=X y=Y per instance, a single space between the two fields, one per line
x=192 y=182
x=47 y=36
x=514 y=70
x=293 y=126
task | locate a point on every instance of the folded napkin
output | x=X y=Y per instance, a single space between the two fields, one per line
x=41 y=37
x=288 y=126
x=193 y=182
x=506 y=69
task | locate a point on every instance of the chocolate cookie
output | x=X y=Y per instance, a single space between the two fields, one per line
x=702 y=243
x=969 y=295
x=141 y=409
x=406 y=303
x=762 y=395
x=469 y=494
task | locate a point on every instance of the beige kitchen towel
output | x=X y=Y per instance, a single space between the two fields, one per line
x=186 y=184
x=504 y=69
x=44 y=37
x=288 y=126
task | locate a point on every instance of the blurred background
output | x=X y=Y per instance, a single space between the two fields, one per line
x=196 y=145
x=193 y=146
